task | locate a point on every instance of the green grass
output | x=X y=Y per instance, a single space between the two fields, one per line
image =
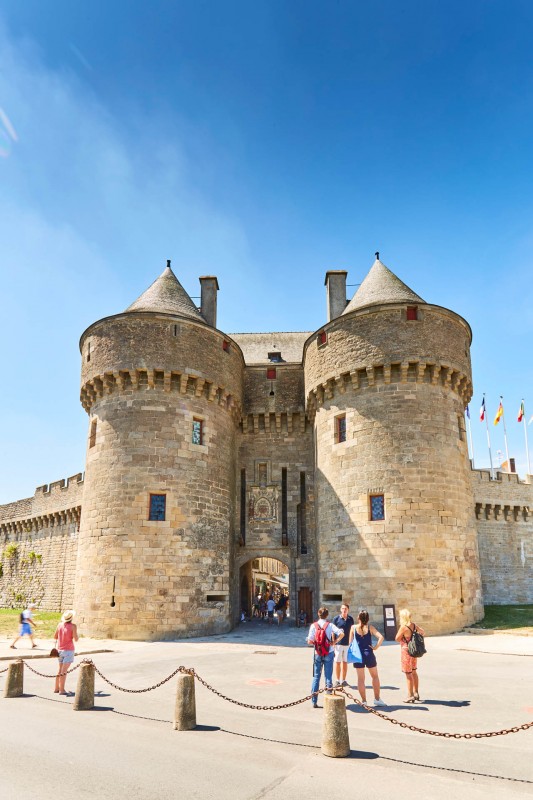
x=46 y=622
x=506 y=617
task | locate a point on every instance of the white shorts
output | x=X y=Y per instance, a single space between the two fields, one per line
x=341 y=653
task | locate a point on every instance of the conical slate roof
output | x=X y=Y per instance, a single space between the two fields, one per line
x=381 y=286
x=166 y=295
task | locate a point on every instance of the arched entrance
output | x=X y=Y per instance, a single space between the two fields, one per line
x=263 y=577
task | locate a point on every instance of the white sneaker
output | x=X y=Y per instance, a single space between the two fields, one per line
x=344 y=683
x=379 y=702
x=337 y=683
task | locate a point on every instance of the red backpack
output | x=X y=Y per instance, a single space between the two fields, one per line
x=322 y=643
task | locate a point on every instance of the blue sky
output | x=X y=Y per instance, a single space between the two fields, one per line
x=265 y=142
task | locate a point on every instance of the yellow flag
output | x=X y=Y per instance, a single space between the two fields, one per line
x=499 y=414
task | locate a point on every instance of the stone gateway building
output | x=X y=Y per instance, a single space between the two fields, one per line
x=341 y=453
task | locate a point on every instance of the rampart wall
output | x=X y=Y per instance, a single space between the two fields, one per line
x=504 y=513
x=39 y=542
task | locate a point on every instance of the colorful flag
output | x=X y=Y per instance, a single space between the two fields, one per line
x=482 y=411
x=499 y=414
x=467 y=409
x=521 y=412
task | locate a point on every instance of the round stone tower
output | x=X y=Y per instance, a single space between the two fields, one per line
x=163 y=389
x=388 y=381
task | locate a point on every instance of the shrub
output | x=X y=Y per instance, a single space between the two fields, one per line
x=11 y=551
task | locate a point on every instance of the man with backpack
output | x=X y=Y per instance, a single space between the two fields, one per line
x=323 y=636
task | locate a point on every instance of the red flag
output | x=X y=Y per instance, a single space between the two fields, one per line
x=521 y=412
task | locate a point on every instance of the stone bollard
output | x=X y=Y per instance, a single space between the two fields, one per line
x=185 y=709
x=15 y=680
x=84 y=699
x=335 y=739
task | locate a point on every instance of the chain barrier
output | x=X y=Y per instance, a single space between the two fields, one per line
x=4 y=670
x=134 y=691
x=44 y=674
x=414 y=728
x=340 y=690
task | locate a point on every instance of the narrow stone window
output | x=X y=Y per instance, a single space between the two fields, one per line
x=284 y=527
x=92 y=436
x=262 y=473
x=322 y=338
x=302 y=520
x=271 y=374
x=197 y=431
x=175 y=330
x=243 y=507
x=340 y=428
x=377 y=507
x=275 y=357
x=88 y=351
x=412 y=313
x=461 y=426
x=225 y=346
x=158 y=506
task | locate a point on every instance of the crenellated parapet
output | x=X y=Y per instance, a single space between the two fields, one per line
x=502 y=513
x=504 y=498
x=32 y=525
x=49 y=501
x=448 y=376
x=274 y=422
x=184 y=383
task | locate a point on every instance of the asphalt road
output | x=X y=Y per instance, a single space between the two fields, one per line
x=127 y=748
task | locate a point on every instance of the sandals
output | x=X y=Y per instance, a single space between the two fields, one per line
x=410 y=699
x=416 y=696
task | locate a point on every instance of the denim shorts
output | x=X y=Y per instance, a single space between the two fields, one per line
x=25 y=628
x=66 y=656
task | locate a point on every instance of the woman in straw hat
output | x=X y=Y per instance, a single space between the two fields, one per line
x=65 y=636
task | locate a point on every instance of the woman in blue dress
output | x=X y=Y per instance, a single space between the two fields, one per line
x=363 y=633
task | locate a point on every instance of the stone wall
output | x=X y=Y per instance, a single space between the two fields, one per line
x=275 y=435
x=401 y=387
x=148 y=378
x=504 y=512
x=39 y=546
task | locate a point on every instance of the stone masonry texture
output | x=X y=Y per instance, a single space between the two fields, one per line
x=270 y=478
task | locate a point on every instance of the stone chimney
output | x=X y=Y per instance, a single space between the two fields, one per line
x=336 y=292
x=208 y=301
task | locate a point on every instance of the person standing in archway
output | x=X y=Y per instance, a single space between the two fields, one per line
x=281 y=607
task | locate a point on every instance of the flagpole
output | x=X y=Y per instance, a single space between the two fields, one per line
x=525 y=434
x=468 y=422
x=488 y=438
x=505 y=435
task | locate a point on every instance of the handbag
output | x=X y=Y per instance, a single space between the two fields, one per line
x=354 y=653
x=54 y=652
x=416 y=646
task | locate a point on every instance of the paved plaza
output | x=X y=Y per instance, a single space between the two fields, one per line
x=127 y=748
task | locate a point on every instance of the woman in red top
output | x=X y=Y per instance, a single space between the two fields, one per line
x=65 y=636
x=409 y=664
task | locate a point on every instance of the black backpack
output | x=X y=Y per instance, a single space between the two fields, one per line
x=21 y=617
x=416 y=647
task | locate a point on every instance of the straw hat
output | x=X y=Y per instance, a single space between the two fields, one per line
x=67 y=616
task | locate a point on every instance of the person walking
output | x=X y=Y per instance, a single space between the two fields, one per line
x=408 y=662
x=345 y=622
x=65 y=635
x=281 y=607
x=270 y=605
x=26 y=625
x=363 y=633
x=323 y=636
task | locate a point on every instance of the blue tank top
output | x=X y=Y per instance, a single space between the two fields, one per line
x=364 y=642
